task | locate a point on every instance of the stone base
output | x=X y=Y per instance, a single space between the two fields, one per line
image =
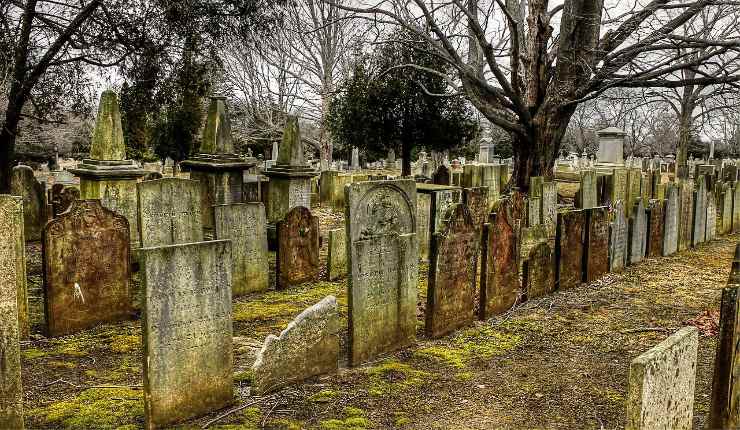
x=108 y=169
x=118 y=195
x=285 y=193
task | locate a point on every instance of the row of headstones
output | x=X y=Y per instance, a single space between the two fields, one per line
x=662 y=380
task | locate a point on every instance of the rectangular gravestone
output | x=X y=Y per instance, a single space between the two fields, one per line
x=661 y=384
x=534 y=216
x=337 y=259
x=383 y=259
x=699 y=229
x=726 y=209
x=12 y=294
x=637 y=234
x=655 y=229
x=571 y=240
x=597 y=244
x=86 y=268
x=711 y=229
x=245 y=224
x=633 y=189
x=670 y=222
x=736 y=207
x=452 y=270
x=725 y=406
x=618 y=231
x=187 y=331
x=646 y=189
x=442 y=201
x=424 y=206
x=588 y=194
x=539 y=271
x=619 y=185
x=476 y=199
x=529 y=238
x=297 y=256
x=24 y=184
x=549 y=208
x=686 y=221
x=169 y=212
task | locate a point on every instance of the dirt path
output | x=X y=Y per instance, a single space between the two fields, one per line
x=557 y=362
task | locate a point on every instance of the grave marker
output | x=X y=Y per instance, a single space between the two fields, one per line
x=25 y=185
x=655 y=229
x=588 y=195
x=297 y=253
x=539 y=271
x=571 y=240
x=686 y=221
x=711 y=229
x=337 y=258
x=671 y=223
x=597 y=244
x=169 y=212
x=618 y=239
x=699 y=230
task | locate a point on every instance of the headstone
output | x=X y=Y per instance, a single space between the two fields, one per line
x=476 y=199
x=661 y=384
x=62 y=197
x=670 y=223
x=187 y=331
x=726 y=209
x=86 y=268
x=549 y=207
x=646 y=189
x=539 y=271
x=699 y=230
x=736 y=208
x=309 y=346
x=245 y=224
x=618 y=238
x=297 y=253
x=633 y=189
x=169 y=212
x=611 y=145
x=337 y=259
x=686 y=221
x=711 y=229
x=619 y=185
x=655 y=229
x=452 y=270
x=423 y=230
x=355 y=159
x=588 y=195
x=25 y=185
x=13 y=310
x=597 y=244
x=571 y=240
x=637 y=234
x=383 y=261
x=441 y=176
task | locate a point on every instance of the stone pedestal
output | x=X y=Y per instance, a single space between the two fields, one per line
x=611 y=146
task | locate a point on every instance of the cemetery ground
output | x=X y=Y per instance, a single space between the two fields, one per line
x=561 y=361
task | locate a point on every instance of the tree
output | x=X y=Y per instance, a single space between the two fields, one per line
x=528 y=78
x=382 y=108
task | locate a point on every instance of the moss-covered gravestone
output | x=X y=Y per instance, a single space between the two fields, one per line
x=686 y=210
x=699 y=230
x=218 y=169
x=570 y=246
x=107 y=175
x=24 y=184
x=169 y=212
x=618 y=238
x=670 y=221
x=597 y=244
x=187 y=331
x=380 y=219
x=297 y=256
x=337 y=258
x=12 y=294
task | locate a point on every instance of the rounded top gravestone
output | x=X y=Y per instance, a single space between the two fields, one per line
x=382 y=209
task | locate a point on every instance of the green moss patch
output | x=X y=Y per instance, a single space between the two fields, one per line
x=473 y=343
x=98 y=408
x=391 y=376
x=355 y=419
x=324 y=396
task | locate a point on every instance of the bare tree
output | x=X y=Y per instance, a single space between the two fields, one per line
x=534 y=77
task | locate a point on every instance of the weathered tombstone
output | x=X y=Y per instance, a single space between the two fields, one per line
x=725 y=408
x=441 y=202
x=245 y=224
x=736 y=207
x=699 y=230
x=539 y=271
x=686 y=222
x=549 y=207
x=534 y=206
x=62 y=197
x=476 y=199
x=452 y=270
x=618 y=239
x=570 y=245
x=309 y=346
x=588 y=195
x=337 y=259
x=726 y=209
x=655 y=229
x=13 y=310
x=383 y=260
x=500 y=284
x=187 y=331
x=423 y=230
x=86 y=268
x=597 y=244
x=169 y=212
x=637 y=234
x=661 y=384
x=633 y=190
x=619 y=185
x=441 y=176
x=670 y=222
x=25 y=185
x=297 y=256
x=711 y=229
x=646 y=189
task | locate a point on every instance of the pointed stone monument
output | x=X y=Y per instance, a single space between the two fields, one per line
x=107 y=175
x=219 y=170
x=290 y=177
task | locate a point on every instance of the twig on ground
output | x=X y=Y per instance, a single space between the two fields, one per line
x=267 y=415
x=231 y=411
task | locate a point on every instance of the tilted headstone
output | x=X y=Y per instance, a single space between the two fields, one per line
x=661 y=384
x=309 y=346
x=383 y=260
x=699 y=230
x=337 y=258
x=539 y=271
x=618 y=238
x=297 y=256
x=686 y=220
x=13 y=310
x=500 y=284
x=187 y=331
x=571 y=243
x=86 y=268
x=587 y=192
x=597 y=244
x=655 y=229
x=670 y=222
x=169 y=212
x=245 y=224
x=25 y=185
x=711 y=228
x=452 y=271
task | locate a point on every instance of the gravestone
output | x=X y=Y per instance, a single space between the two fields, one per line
x=619 y=185
x=711 y=229
x=309 y=346
x=169 y=212
x=736 y=208
x=633 y=189
x=646 y=189
x=441 y=176
x=13 y=310
x=588 y=197
x=25 y=185
x=597 y=244
x=452 y=270
x=383 y=260
x=534 y=216
x=246 y=226
x=611 y=143
x=476 y=199
x=297 y=256
x=187 y=331
x=441 y=202
x=618 y=239
x=725 y=406
x=661 y=384
x=337 y=258
x=699 y=230
x=655 y=229
x=86 y=268
x=549 y=207
x=423 y=211
x=686 y=221
x=500 y=283
x=670 y=223
x=570 y=245
x=539 y=271
x=62 y=197
x=726 y=209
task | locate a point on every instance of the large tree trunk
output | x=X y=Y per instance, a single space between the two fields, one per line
x=7 y=150
x=684 y=134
